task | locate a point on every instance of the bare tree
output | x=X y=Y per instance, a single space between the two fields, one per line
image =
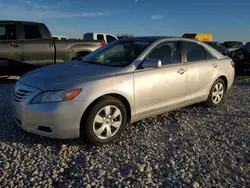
x=124 y=35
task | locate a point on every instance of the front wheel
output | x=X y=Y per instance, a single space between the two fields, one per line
x=105 y=121
x=216 y=93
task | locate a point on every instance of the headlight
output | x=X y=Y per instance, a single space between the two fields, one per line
x=56 y=96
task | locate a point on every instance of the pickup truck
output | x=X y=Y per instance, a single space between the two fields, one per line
x=31 y=43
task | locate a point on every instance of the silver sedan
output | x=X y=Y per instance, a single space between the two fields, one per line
x=118 y=84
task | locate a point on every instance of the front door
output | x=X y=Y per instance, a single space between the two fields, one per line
x=163 y=87
x=10 y=45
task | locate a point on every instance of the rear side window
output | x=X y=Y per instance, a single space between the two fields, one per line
x=110 y=38
x=209 y=55
x=194 y=52
x=31 y=32
x=100 y=37
x=168 y=53
x=8 y=32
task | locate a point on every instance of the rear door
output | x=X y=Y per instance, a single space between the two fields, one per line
x=10 y=44
x=38 y=48
x=202 y=70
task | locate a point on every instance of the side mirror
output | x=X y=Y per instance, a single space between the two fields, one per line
x=151 y=63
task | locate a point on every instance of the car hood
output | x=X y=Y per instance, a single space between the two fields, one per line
x=64 y=75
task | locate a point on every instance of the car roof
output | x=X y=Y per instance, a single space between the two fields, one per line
x=164 y=38
x=158 y=38
x=149 y=38
x=17 y=21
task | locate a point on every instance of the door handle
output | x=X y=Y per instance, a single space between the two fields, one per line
x=181 y=71
x=15 y=45
x=215 y=65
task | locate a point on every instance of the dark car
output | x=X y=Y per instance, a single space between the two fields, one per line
x=247 y=45
x=241 y=57
x=217 y=46
x=232 y=45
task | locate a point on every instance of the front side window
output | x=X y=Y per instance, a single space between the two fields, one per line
x=118 y=54
x=8 y=32
x=110 y=38
x=194 y=52
x=31 y=32
x=168 y=53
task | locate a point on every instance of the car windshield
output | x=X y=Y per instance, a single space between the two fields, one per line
x=117 y=54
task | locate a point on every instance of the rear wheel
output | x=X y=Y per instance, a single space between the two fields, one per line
x=216 y=93
x=105 y=121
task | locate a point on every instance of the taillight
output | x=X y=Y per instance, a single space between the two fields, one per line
x=103 y=43
x=232 y=63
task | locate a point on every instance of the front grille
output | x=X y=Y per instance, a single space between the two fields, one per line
x=20 y=94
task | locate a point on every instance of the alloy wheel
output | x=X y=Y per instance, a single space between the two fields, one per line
x=107 y=122
x=218 y=93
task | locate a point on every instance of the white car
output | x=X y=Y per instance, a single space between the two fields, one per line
x=108 y=38
x=118 y=84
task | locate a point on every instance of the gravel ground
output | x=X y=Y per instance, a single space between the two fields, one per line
x=191 y=147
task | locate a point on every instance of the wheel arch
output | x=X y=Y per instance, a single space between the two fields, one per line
x=115 y=95
x=224 y=78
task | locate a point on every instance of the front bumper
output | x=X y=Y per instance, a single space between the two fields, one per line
x=61 y=118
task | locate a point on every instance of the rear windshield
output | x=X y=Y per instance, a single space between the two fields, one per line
x=88 y=36
x=117 y=54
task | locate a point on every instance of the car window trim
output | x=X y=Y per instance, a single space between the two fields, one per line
x=139 y=69
x=208 y=51
x=156 y=46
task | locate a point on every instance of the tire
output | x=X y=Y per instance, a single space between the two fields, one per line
x=97 y=132
x=211 y=101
